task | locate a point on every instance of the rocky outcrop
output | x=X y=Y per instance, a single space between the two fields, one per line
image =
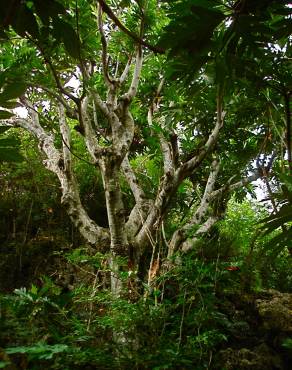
x=261 y=357
x=257 y=326
x=275 y=310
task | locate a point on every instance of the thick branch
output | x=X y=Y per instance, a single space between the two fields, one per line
x=168 y=185
x=141 y=209
x=70 y=193
x=179 y=239
x=171 y=180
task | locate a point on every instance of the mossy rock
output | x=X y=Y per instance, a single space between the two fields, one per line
x=261 y=357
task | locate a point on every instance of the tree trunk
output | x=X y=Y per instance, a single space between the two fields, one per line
x=116 y=220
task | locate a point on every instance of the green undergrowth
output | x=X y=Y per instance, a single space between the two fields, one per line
x=173 y=323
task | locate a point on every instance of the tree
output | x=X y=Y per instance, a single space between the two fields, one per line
x=129 y=102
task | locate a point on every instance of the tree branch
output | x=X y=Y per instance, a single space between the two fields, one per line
x=92 y=233
x=118 y=23
x=59 y=98
x=137 y=191
x=203 y=229
x=126 y=70
x=54 y=72
x=129 y=96
x=167 y=152
x=187 y=167
x=66 y=140
x=180 y=235
x=90 y=135
x=104 y=58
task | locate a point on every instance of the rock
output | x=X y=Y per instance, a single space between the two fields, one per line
x=276 y=311
x=261 y=357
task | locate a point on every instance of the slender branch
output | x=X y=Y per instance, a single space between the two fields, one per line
x=54 y=72
x=187 y=167
x=76 y=155
x=239 y=184
x=189 y=243
x=154 y=105
x=137 y=191
x=90 y=136
x=31 y=110
x=129 y=96
x=118 y=23
x=167 y=152
x=180 y=235
x=66 y=139
x=81 y=66
x=99 y=103
x=99 y=130
x=202 y=209
x=126 y=70
x=117 y=66
x=72 y=113
x=288 y=101
x=104 y=47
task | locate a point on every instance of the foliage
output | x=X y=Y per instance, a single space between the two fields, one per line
x=9 y=145
x=176 y=324
x=287 y=343
x=282 y=218
x=39 y=351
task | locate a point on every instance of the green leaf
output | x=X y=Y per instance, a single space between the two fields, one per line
x=47 y=9
x=3 y=35
x=39 y=350
x=287 y=343
x=11 y=91
x=4 y=364
x=10 y=155
x=284 y=239
x=5 y=115
x=67 y=34
x=9 y=104
x=4 y=129
x=9 y=142
x=25 y=22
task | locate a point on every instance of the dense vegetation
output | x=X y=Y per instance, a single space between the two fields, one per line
x=136 y=138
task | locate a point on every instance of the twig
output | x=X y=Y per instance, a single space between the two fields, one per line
x=91 y=303
x=182 y=321
x=118 y=23
x=104 y=47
